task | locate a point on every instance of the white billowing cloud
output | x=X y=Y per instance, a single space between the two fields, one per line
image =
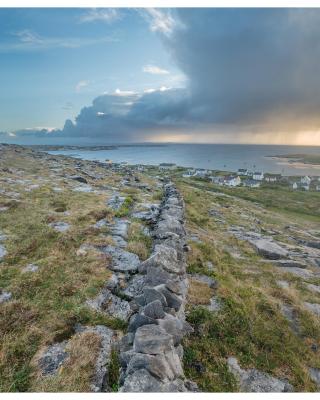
x=107 y=15
x=154 y=70
x=28 y=40
x=159 y=20
x=81 y=84
x=125 y=93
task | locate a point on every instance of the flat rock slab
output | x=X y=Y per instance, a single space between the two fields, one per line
x=268 y=249
x=291 y=264
x=111 y=305
x=52 y=358
x=302 y=273
x=3 y=251
x=60 y=226
x=120 y=228
x=30 y=268
x=115 y=202
x=315 y=375
x=5 y=296
x=254 y=381
x=107 y=339
x=313 y=288
x=122 y=261
x=313 y=307
x=83 y=189
x=290 y=315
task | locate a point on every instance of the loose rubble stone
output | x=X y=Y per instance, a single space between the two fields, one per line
x=154 y=310
x=141 y=381
x=152 y=294
x=138 y=320
x=135 y=286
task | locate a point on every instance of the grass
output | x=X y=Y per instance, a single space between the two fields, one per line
x=114 y=371
x=250 y=325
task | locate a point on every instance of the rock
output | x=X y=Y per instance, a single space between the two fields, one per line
x=135 y=286
x=157 y=276
x=175 y=327
x=83 y=188
x=210 y=266
x=255 y=381
x=205 y=279
x=141 y=381
x=283 y=284
x=122 y=261
x=78 y=178
x=313 y=307
x=115 y=202
x=3 y=251
x=60 y=226
x=100 y=224
x=151 y=294
x=172 y=299
x=52 y=358
x=113 y=282
x=269 y=249
x=156 y=365
x=302 y=273
x=315 y=244
x=177 y=287
x=106 y=336
x=169 y=225
x=120 y=228
x=154 y=310
x=152 y=339
x=313 y=288
x=214 y=305
x=291 y=264
x=290 y=314
x=138 y=320
x=315 y=375
x=30 y=268
x=163 y=257
x=125 y=357
x=126 y=342
x=5 y=296
x=111 y=304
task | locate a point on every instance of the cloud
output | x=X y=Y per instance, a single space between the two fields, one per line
x=68 y=106
x=81 y=84
x=154 y=70
x=159 y=20
x=107 y=15
x=28 y=40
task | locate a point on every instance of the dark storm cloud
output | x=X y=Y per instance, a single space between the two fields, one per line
x=252 y=69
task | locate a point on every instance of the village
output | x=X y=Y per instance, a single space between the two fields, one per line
x=251 y=179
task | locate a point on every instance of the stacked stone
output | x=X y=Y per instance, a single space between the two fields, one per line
x=151 y=353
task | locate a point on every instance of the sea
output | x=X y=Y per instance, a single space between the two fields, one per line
x=225 y=157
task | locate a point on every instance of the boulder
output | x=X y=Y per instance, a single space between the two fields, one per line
x=122 y=261
x=269 y=249
x=156 y=365
x=163 y=257
x=138 y=320
x=151 y=294
x=135 y=286
x=172 y=299
x=175 y=327
x=141 y=381
x=52 y=358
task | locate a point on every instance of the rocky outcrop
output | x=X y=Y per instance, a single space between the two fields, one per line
x=151 y=352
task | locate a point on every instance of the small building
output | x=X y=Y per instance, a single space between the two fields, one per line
x=294 y=186
x=272 y=177
x=243 y=171
x=218 y=180
x=318 y=188
x=232 y=180
x=306 y=180
x=304 y=186
x=201 y=172
x=166 y=166
x=189 y=173
x=257 y=176
x=252 y=183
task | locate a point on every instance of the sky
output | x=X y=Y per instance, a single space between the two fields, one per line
x=99 y=76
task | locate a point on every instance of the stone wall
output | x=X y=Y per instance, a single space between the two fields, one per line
x=151 y=352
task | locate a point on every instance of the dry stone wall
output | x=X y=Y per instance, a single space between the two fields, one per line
x=151 y=352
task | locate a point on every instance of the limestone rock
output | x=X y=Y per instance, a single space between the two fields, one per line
x=152 y=339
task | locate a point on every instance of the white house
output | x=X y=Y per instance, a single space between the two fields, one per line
x=189 y=173
x=242 y=171
x=318 y=188
x=165 y=166
x=305 y=180
x=218 y=180
x=258 y=176
x=304 y=186
x=232 y=180
x=201 y=172
x=294 y=186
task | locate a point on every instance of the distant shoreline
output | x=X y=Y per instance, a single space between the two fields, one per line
x=298 y=160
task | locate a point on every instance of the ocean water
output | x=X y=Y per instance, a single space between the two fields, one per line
x=210 y=156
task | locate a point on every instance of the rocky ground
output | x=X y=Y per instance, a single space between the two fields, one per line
x=114 y=278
